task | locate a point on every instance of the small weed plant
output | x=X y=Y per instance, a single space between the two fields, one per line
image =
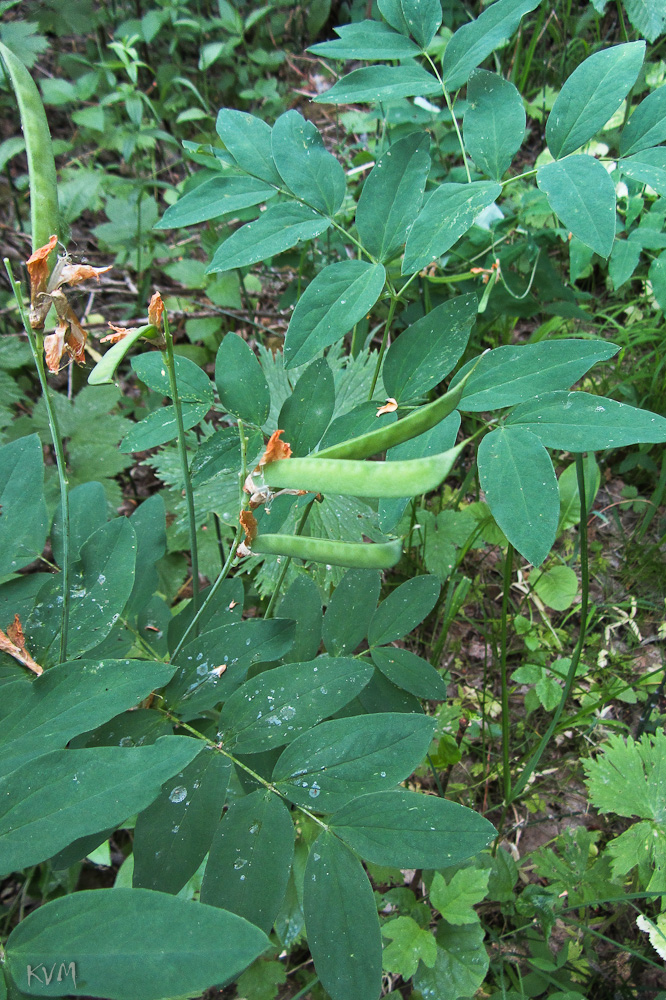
x=265 y=748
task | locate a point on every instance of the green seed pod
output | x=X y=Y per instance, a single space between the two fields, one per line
x=362 y=479
x=356 y=555
x=44 y=214
x=104 y=370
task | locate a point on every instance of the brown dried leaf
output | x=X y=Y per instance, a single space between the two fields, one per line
x=14 y=643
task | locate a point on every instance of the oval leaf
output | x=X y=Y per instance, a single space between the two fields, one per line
x=582 y=195
x=494 y=122
x=349 y=611
x=277 y=229
x=305 y=165
x=381 y=83
x=473 y=42
x=306 y=414
x=402 y=610
x=240 y=381
x=447 y=215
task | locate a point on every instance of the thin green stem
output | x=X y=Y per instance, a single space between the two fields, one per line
x=224 y=572
x=306 y=989
x=449 y=105
x=533 y=763
x=518 y=177
x=56 y=438
x=506 y=720
x=182 y=451
x=283 y=572
x=382 y=349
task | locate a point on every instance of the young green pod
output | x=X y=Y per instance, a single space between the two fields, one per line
x=104 y=370
x=44 y=214
x=362 y=479
x=355 y=555
x=418 y=422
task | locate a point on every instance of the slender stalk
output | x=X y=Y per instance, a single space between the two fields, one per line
x=382 y=349
x=533 y=763
x=306 y=989
x=182 y=451
x=278 y=586
x=224 y=572
x=506 y=720
x=455 y=121
x=35 y=342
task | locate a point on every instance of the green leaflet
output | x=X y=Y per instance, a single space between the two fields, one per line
x=88 y=511
x=494 y=122
x=306 y=414
x=277 y=229
x=648 y=167
x=324 y=550
x=23 y=528
x=215 y=197
x=341 y=922
x=582 y=195
x=160 y=426
x=305 y=165
x=447 y=215
x=344 y=758
x=407 y=830
x=193 y=384
x=240 y=381
x=250 y=859
x=380 y=83
x=408 y=671
x=362 y=479
x=90 y=790
x=340 y=296
x=579 y=421
x=368 y=40
x=407 y=606
x=69 y=699
x=349 y=611
x=519 y=481
x=591 y=95
x=460 y=966
x=280 y=704
x=302 y=603
x=429 y=349
x=248 y=139
x=473 y=42
x=648 y=17
x=647 y=125
x=392 y=195
x=199 y=941
x=509 y=375
x=172 y=836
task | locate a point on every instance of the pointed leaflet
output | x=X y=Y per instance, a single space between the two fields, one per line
x=241 y=384
x=410 y=830
x=509 y=374
x=172 y=836
x=403 y=609
x=381 y=83
x=215 y=197
x=439 y=438
x=279 y=704
x=160 y=946
x=368 y=40
x=250 y=859
x=277 y=229
x=423 y=18
x=392 y=195
x=306 y=414
x=648 y=17
x=349 y=611
x=494 y=122
x=472 y=43
x=161 y=426
x=519 y=481
x=306 y=166
x=149 y=523
x=648 y=167
x=408 y=671
x=579 y=421
x=647 y=125
x=88 y=790
x=302 y=603
x=341 y=922
x=23 y=527
x=591 y=96
x=344 y=758
x=428 y=350
x=248 y=139
x=88 y=511
x=582 y=195
x=333 y=302
x=193 y=384
x=69 y=699
x=447 y=215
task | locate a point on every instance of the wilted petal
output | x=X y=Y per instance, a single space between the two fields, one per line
x=73 y=274
x=156 y=310
x=14 y=644
x=75 y=339
x=389 y=406
x=275 y=450
x=249 y=524
x=54 y=347
x=38 y=268
x=119 y=333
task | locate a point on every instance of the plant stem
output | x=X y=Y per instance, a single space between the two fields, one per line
x=38 y=357
x=382 y=349
x=182 y=451
x=532 y=764
x=455 y=121
x=283 y=571
x=506 y=720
